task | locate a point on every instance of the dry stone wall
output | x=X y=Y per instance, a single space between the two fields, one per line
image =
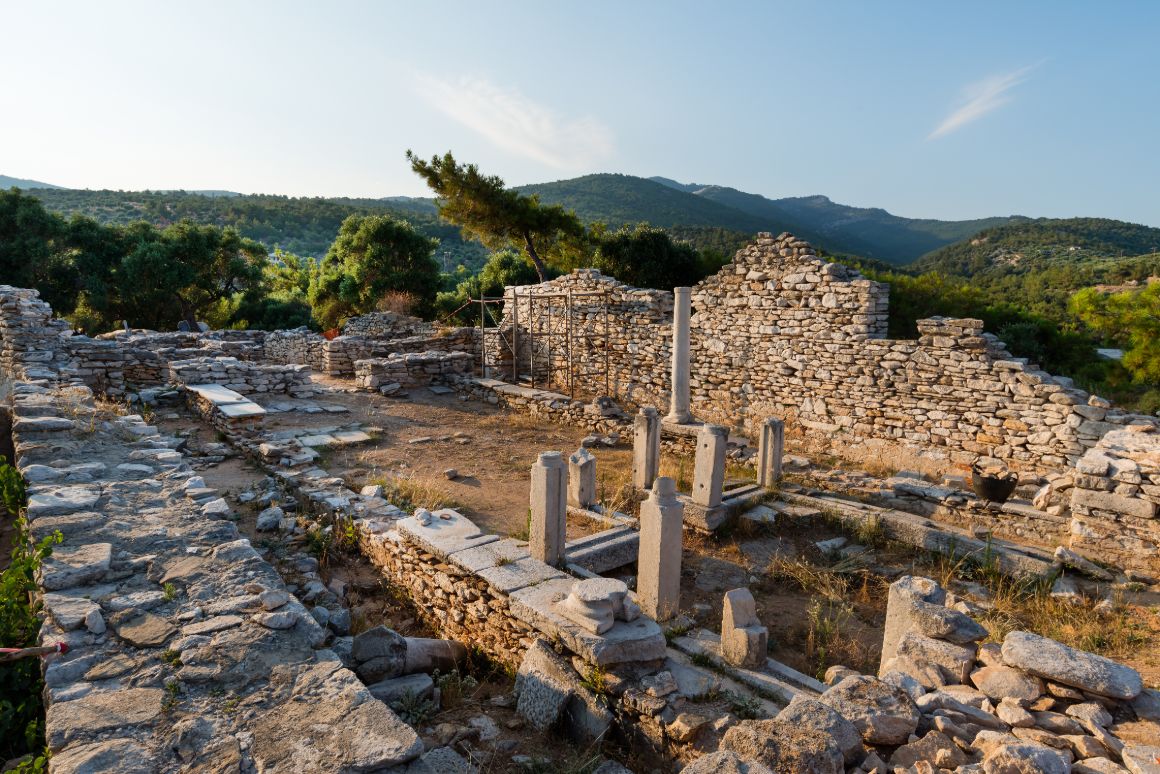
x=1115 y=501
x=241 y=376
x=780 y=332
x=388 y=374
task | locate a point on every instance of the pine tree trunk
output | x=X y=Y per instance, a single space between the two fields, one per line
x=541 y=270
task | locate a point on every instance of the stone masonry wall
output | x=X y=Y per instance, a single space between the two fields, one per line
x=411 y=370
x=241 y=376
x=779 y=332
x=1115 y=500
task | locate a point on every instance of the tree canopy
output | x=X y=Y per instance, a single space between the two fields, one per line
x=372 y=256
x=485 y=209
x=1130 y=318
x=647 y=257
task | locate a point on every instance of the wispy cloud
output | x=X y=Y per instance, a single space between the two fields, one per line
x=981 y=98
x=517 y=124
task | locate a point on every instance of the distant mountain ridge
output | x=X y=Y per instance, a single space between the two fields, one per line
x=7 y=182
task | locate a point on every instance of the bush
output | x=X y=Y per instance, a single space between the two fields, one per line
x=21 y=685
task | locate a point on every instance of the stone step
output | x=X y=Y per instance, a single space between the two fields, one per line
x=775 y=680
x=604 y=551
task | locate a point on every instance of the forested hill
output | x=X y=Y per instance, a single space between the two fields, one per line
x=305 y=226
x=1032 y=245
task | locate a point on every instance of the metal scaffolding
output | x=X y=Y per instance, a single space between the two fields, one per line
x=562 y=334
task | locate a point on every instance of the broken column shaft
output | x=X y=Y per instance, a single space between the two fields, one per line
x=771 y=449
x=646 y=447
x=709 y=465
x=658 y=584
x=549 y=508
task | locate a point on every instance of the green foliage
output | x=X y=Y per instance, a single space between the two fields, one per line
x=646 y=257
x=1131 y=318
x=414 y=709
x=503 y=268
x=499 y=217
x=21 y=711
x=372 y=256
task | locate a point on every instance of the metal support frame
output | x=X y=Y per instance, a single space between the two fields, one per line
x=571 y=334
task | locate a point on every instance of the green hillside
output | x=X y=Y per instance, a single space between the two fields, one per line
x=618 y=200
x=300 y=225
x=1032 y=245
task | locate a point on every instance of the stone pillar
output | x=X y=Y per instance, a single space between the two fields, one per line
x=770 y=450
x=709 y=465
x=744 y=640
x=905 y=596
x=582 y=479
x=658 y=565
x=549 y=508
x=646 y=447
x=679 y=403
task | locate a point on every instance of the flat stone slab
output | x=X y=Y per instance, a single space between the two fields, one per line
x=348 y=437
x=210 y=625
x=436 y=389
x=101 y=711
x=1063 y=664
x=41 y=425
x=146 y=631
x=69 y=609
x=65 y=499
x=490 y=554
x=317 y=441
x=520 y=574
x=216 y=394
x=762 y=514
x=241 y=410
x=69 y=567
x=639 y=640
x=444 y=536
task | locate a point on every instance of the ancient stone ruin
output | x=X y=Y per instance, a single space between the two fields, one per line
x=191 y=648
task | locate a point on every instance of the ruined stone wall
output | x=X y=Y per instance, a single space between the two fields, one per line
x=386 y=325
x=620 y=335
x=241 y=376
x=295 y=347
x=779 y=332
x=341 y=353
x=411 y=370
x=1115 y=500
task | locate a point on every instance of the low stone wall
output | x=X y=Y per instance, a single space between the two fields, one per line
x=241 y=376
x=386 y=325
x=295 y=347
x=387 y=374
x=1116 y=500
x=341 y=353
x=543 y=404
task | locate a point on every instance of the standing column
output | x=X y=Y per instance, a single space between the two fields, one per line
x=679 y=403
x=549 y=508
x=646 y=447
x=709 y=465
x=770 y=449
x=658 y=565
x=581 y=479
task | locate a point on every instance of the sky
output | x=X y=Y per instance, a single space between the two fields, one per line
x=926 y=109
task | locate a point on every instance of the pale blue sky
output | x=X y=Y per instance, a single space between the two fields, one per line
x=928 y=109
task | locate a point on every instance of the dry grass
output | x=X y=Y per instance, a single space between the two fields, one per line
x=1117 y=630
x=410 y=492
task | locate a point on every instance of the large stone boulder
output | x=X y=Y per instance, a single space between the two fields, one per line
x=902 y=610
x=809 y=713
x=379 y=653
x=1063 y=664
x=1001 y=682
x=1025 y=758
x=882 y=713
x=725 y=762
x=784 y=747
x=955 y=661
